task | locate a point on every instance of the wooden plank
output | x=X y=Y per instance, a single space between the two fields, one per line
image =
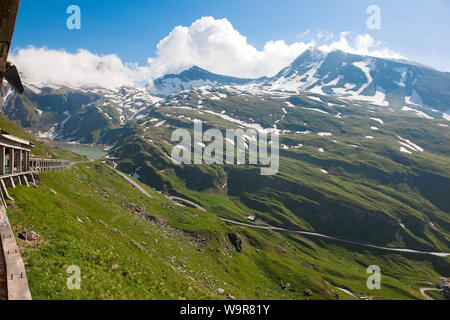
x=17 y=282
x=3 y=281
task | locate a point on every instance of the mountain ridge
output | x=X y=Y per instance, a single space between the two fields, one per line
x=381 y=81
x=191 y=78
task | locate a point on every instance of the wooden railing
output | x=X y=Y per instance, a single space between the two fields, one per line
x=40 y=165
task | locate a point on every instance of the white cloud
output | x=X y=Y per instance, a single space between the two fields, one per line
x=216 y=46
x=362 y=44
x=43 y=66
x=209 y=43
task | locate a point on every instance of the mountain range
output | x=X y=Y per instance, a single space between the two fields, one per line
x=364 y=156
x=380 y=81
x=87 y=115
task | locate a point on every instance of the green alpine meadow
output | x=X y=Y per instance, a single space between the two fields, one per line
x=224 y=164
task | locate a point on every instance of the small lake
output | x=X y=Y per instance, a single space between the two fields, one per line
x=94 y=152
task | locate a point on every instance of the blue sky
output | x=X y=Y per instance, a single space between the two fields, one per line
x=417 y=29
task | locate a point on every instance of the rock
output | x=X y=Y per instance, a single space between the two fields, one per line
x=308 y=292
x=229 y=296
x=235 y=241
x=79 y=220
x=29 y=236
x=114 y=267
x=221 y=291
x=251 y=218
x=147 y=218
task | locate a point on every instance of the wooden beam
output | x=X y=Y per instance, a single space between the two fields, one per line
x=19 y=161
x=2 y=160
x=26 y=180
x=33 y=182
x=11 y=160
x=13 y=184
x=8 y=16
x=5 y=190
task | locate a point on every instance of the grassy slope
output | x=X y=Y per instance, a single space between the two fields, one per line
x=180 y=252
x=369 y=176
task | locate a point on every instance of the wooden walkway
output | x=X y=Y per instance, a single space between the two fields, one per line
x=17 y=168
x=3 y=281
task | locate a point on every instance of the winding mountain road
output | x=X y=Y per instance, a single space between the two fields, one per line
x=131 y=181
x=179 y=201
x=427 y=297
x=318 y=235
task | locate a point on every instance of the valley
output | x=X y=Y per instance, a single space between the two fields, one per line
x=364 y=174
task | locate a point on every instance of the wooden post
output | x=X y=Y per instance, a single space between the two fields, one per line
x=19 y=161
x=11 y=160
x=8 y=16
x=5 y=190
x=2 y=160
x=26 y=161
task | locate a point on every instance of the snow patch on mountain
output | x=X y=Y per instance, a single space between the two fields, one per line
x=365 y=68
x=379 y=98
x=446 y=116
x=419 y=114
x=410 y=145
x=378 y=120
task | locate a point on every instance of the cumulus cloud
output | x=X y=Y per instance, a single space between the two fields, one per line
x=41 y=66
x=362 y=44
x=212 y=44
x=215 y=45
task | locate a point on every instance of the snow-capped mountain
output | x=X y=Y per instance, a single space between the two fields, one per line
x=73 y=114
x=380 y=81
x=89 y=115
x=193 y=78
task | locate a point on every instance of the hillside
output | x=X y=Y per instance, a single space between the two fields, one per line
x=352 y=170
x=73 y=114
x=129 y=246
